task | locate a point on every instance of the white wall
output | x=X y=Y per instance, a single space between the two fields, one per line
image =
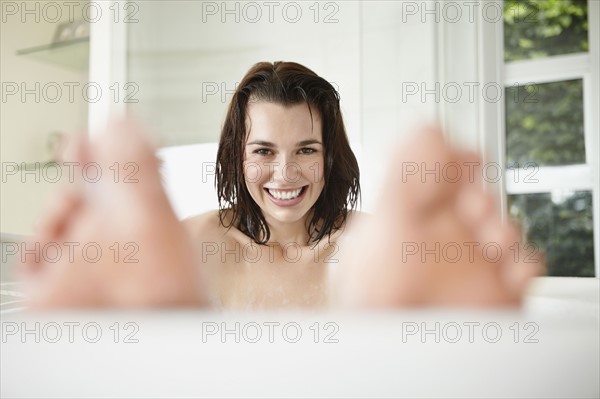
x=178 y=50
x=25 y=124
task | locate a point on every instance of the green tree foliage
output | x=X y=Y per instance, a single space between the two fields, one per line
x=535 y=29
x=544 y=124
x=561 y=228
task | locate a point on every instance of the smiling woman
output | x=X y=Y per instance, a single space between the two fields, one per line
x=284 y=128
x=288 y=183
x=288 y=165
x=286 y=179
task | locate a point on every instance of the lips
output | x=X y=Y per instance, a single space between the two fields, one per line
x=286 y=197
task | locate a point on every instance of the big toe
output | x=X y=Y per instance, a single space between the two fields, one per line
x=415 y=184
x=129 y=166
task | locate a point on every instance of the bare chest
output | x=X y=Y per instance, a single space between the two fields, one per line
x=251 y=276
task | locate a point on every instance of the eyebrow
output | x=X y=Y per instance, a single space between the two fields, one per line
x=271 y=145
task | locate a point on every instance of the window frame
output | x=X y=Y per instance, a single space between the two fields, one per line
x=585 y=66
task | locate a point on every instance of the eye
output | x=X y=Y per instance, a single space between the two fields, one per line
x=262 y=151
x=307 y=150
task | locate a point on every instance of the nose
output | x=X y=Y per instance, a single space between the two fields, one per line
x=285 y=171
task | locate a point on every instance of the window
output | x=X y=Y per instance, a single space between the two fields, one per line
x=551 y=79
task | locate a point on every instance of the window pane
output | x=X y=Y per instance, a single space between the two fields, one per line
x=540 y=28
x=560 y=224
x=544 y=123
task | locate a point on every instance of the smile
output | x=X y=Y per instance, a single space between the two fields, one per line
x=286 y=197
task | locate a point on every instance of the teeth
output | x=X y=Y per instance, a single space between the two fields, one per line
x=285 y=195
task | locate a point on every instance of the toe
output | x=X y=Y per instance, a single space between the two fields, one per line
x=415 y=185
x=128 y=159
x=55 y=221
x=524 y=260
x=474 y=207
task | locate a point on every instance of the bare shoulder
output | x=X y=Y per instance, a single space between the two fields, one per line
x=354 y=219
x=208 y=227
x=204 y=226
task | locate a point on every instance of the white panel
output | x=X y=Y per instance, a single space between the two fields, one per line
x=550 y=69
x=107 y=65
x=592 y=121
x=544 y=179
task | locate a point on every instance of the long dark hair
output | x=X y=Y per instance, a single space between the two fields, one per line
x=286 y=83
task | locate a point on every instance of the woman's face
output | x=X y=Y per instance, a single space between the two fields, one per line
x=283 y=159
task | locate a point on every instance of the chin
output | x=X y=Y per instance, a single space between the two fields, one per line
x=286 y=216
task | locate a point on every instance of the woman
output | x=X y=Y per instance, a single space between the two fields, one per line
x=287 y=180
x=286 y=234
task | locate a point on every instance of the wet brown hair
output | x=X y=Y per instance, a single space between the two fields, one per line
x=286 y=83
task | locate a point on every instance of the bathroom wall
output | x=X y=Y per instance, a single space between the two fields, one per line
x=28 y=120
x=187 y=61
x=186 y=58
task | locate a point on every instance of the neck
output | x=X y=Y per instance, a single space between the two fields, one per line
x=286 y=233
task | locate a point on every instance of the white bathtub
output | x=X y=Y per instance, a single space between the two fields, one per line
x=548 y=349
